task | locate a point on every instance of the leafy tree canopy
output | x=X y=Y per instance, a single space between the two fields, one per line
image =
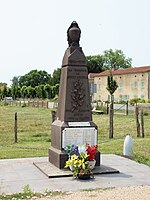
x=95 y=63
x=34 y=78
x=3 y=84
x=116 y=59
x=55 y=77
x=108 y=60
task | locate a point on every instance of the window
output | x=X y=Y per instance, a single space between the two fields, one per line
x=126 y=97
x=135 y=84
x=142 y=96
x=135 y=96
x=120 y=85
x=93 y=88
x=142 y=84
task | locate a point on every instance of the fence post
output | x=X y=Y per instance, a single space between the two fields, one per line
x=111 y=113
x=47 y=104
x=53 y=112
x=15 y=128
x=38 y=103
x=127 y=108
x=137 y=121
x=142 y=122
x=107 y=108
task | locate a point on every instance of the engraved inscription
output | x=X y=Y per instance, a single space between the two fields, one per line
x=79 y=136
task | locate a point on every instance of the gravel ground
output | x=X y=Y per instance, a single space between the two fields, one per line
x=125 y=193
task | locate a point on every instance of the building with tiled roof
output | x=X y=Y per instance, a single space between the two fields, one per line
x=132 y=83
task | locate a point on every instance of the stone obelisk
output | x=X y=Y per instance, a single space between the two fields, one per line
x=74 y=117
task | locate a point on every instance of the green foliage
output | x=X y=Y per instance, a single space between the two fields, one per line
x=3 y=84
x=48 y=89
x=102 y=108
x=34 y=78
x=36 y=83
x=79 y=164
x=116 y=59
x=136 y=100
x=24 y=105
x=28 y=194
x=55 y=79
x=107 y=61
x=27 y=190
x=4 y=91
x=55 y=90
x=95 y=63
x=111 y=84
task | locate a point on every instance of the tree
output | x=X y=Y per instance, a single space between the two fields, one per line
x=34 y=78
x=48 y=89
x=55 y=90
x=9 y=94
x=24 y=91
x=4 y=91
x=14 y=86
x=3 y=84
x=111 y=84
x=111 y=87
x=108 y=60
x=30 y=92
x=116 y=60
x=38 y=91
x=95 y=64
x=44 y=92
x=55 y=79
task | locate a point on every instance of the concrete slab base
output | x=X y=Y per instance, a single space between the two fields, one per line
x=53 y=172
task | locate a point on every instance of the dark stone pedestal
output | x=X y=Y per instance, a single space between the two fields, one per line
x=57 y=157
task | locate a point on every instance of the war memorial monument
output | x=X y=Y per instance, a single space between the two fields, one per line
x=73 y=124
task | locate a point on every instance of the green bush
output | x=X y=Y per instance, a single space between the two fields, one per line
x=102 y=108
x=141 y=101
x=135 y=101
x=24 y=105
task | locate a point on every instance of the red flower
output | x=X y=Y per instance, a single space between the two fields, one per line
x=91 y=151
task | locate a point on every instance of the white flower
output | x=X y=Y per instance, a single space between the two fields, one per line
x=82 y=149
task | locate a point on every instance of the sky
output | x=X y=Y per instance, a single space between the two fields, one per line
x=33 y=32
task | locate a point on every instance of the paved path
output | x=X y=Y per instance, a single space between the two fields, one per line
x=17 y=173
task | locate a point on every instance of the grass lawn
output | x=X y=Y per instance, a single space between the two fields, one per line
x=34 y=128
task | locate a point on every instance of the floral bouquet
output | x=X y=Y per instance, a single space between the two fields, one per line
x=79 y=159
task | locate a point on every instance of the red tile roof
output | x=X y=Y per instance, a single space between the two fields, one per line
x=92 y=75
x=124 y=71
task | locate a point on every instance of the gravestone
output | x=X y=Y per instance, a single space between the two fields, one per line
x=73 y=124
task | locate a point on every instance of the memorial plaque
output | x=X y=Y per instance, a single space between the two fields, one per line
x=79 y=136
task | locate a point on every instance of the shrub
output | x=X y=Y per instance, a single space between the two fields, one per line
x=102 y=108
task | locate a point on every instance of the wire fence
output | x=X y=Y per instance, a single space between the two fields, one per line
x=34 y=129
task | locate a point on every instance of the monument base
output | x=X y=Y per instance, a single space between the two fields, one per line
x=59 y=158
